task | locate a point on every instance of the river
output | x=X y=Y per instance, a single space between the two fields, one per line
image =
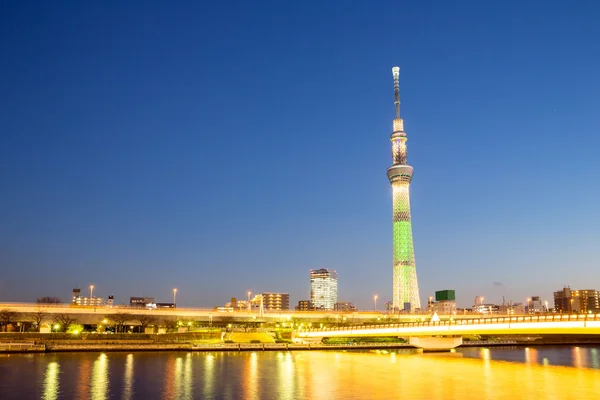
x=469 y=373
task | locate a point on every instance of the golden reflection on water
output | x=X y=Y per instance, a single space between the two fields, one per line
x=83 y=386
x=285 y=368
x=443 y=377
x=177 y=377
x=250 y=377
x=188 y=380
x=340 y=375
x=100 y=378
x=579 y=360
x=178 y=383
x=531 y=356
x=51 y=381
x=128 y=378
x=209 y=376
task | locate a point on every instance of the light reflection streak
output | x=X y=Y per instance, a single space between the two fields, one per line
x=177 y=378
x=51 y=381
x=487 y=370
x=321 y=369
x=187 y=377
x=83 y=386
x=579 y=359
x=100 y=378
x=251 y=375
x=594 y=357
x=527 y=378
x=285 y=367
x=128 y=378
x=300 y=375
x=168 y=389
x=209 y=376
x=545 y=361
x=531 y=355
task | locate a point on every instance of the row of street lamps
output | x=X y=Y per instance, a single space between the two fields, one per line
x=174 y=295
x=375 y=297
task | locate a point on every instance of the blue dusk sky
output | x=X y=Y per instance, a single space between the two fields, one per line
x=221 y=147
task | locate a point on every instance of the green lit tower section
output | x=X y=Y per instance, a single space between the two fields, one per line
x=406 y=287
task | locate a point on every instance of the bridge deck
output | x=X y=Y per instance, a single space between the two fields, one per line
x=535 y=324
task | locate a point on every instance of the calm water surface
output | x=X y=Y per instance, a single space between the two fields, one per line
x=498 y=373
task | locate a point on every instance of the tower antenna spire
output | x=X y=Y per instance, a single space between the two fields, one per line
x=405 y=284
x=396 y=72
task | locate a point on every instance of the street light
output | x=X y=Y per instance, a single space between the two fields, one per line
x=174 y=297
x=571 y=308
x=375 y=301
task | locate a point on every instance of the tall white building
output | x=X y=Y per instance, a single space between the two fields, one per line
x=323 y=288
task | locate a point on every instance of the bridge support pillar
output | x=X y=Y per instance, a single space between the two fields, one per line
x=432 y=343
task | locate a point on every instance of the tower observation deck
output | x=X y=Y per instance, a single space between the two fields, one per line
x=406 y=287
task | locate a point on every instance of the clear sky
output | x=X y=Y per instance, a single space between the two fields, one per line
x=221 y=147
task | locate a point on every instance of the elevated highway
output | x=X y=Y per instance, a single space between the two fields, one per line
x=92 y=315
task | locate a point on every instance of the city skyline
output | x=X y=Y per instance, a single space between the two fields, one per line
x=220 y=149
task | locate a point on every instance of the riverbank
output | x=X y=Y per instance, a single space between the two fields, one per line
x=44 y=343
x=106 y=347
x=241 y=347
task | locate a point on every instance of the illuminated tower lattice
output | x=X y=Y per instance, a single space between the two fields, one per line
x=406 y=287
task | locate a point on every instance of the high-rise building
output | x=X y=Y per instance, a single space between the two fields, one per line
x=276 y=301
x=323 y=288
x=562 y=300
x=576 y=301
x=405 y=285
x=80 y=300
x=304 y=305
x=589 y=300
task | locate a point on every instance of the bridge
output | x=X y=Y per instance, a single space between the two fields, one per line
x=420 y=329
x=439 y=335
x=94 y=314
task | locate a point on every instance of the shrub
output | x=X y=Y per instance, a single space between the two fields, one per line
x=358 y=340
x=255 y=341
x=228 y=341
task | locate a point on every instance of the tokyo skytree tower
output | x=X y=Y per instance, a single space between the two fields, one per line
x=406 y=288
